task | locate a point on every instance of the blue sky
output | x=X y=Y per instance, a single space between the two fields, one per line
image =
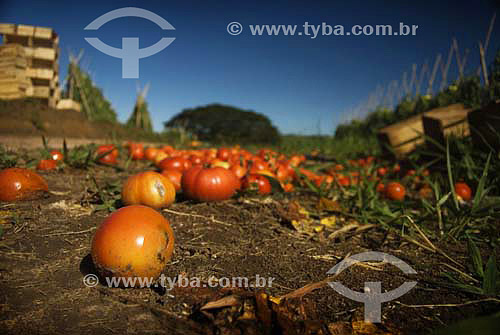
x=303 y=85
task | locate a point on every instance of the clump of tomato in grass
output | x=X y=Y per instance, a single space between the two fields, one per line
x=133 y=242
x=21 y=184
x=148 y=188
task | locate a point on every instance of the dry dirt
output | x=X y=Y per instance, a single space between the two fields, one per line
x=44 y=256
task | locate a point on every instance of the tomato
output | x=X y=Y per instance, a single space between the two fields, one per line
x=175 y=178
x=135 y=241
x=150 y=153
x=395 y=191
x=463 y=191
x=160 y=155
x=238 y=170
x=381 y=171
x=148 y=188
x=196 y=159
x=258 y=165
x=209 y=184
x=257 y=182
x=287 y=187
x=180 y=164
x=136 y=151
x=21 y=184
x=224 y=154
x=109 y=152
x=426 y=192
x=46 y=164
x=56 y=155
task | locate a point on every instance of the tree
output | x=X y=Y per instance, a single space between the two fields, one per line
x=225 y=124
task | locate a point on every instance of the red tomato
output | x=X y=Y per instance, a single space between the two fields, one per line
x=180 y=164
x=463 y=191
x=344 y=181
x=224 y=154
x=382 y=171
x=238 y=170
x=135 y=241
x=136 y=151
x=257 y=182
x=20 y=184
x=56 y=155
x=46 y=164
x=148 y=188
x=150 y=153
x=209 y=184
x=110 y=157
x=395 y=191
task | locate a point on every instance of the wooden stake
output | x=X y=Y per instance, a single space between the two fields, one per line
x=433 y=73
x=487 y=40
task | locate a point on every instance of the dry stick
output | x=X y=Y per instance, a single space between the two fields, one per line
x=197 y=216
x=71 y=232
x=446 y=68
x=450 y=305
x=433 y=73
x=483 y=65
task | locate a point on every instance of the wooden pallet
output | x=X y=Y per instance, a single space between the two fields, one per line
x=68 y=104
x=403 y=137
x=485 y=127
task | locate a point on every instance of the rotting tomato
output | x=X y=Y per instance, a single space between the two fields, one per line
x=463 y=191
x=135 y=241
x=209 y=184
x=46 y=164
x=175 y=178
x=257 y=182
x=148 y=188
x=21 y=184
x=395 y=191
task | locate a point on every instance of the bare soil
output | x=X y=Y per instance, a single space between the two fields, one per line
x=44 y=256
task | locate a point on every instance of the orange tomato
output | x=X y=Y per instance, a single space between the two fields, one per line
x=135 y=241
x=21 y=184
x=148 y=188
x=257 y=182
x=180 y=164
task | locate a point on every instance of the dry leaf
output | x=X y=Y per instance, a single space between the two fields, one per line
x=228 y=301
x=325 y=204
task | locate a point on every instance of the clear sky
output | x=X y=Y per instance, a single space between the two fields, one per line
x=302 y=84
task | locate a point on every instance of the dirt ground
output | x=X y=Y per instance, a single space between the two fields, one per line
x=44 y=256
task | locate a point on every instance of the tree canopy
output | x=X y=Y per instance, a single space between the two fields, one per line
x=225 y=124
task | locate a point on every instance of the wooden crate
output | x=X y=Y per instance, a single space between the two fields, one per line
x=40 y=73
x=13 y=81
x=68 y=104
x=7 y=28
x=442 y=122
x=484 y=126
x=402 y=137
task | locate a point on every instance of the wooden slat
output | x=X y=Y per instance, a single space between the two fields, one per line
x=13 y=62
x=25 y=30
x=39 y=73
x=442 y=122
x=39 y=92
x=43 y=32
x=7 y=28
x=41 y=53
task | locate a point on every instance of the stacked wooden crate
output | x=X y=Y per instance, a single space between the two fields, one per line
x=41 y=58
x=13 y=80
